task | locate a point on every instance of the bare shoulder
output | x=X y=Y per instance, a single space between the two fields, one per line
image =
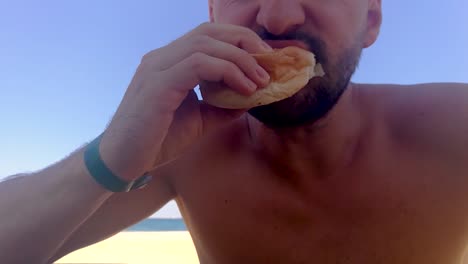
x=428 y=117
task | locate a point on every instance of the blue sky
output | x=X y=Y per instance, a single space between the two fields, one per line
x=64 y=65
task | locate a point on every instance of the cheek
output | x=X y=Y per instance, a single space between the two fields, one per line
x=340 y=24
x=235 y=12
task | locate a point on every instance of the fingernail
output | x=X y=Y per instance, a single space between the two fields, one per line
x=266 y=46
x=251 y=85
x=262 y=73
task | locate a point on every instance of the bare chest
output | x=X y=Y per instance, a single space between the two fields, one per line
x=387 y=208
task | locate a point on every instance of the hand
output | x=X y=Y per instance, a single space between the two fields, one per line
x=160 y=114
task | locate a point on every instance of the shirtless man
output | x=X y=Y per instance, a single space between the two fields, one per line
x=338 y=173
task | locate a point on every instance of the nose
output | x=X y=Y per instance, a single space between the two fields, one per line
x=281 y=16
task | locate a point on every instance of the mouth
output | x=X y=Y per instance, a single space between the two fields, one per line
x=279 y=44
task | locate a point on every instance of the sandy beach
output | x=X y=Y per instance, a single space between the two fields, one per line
x=138 y=248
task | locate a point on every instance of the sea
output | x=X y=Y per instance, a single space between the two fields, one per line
x=159 y=224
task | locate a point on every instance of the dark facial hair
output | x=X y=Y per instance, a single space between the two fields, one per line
x=320 y=95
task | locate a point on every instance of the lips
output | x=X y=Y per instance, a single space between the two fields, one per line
x=279 y=44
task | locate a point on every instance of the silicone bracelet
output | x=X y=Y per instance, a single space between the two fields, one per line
x=104 y=176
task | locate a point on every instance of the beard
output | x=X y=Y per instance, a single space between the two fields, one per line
x=320 y=95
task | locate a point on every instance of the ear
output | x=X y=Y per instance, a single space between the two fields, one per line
x=374 y=21
x=210 y=6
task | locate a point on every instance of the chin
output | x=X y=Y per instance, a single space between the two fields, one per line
x=306 y=107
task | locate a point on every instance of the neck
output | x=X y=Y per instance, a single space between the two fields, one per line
x=318 y=149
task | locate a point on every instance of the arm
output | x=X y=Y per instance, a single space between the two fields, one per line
x=41 y=209
x=117 y=213
x=70 y=211
x=55 y=211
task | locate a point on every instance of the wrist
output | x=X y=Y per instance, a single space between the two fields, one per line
x=122 y=178
x=121 y=155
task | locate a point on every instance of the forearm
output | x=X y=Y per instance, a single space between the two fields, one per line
x=39 y=211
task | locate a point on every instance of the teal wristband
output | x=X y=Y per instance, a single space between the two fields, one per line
x=104 y=176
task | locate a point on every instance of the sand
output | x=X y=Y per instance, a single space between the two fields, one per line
x=138 y=248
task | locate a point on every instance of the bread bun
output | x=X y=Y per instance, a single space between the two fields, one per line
x=290 y=70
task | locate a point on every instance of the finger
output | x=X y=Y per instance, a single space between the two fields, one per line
x=185 y=75
x=218 y=41
x=239 y=36
x=229 y=52
x=219 y=49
